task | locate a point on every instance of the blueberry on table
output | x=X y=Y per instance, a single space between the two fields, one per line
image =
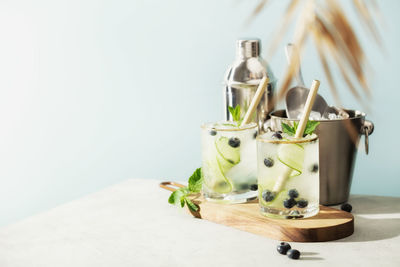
x=289 y=203
x=277 y=135
x=234 y=142
x=302 y=203
x=213 y=132
x=254 y=187
x=346 y=207
x=268 y=162
x=268 y=195
x=293 y=193
x=294 y=254
x=283 y=248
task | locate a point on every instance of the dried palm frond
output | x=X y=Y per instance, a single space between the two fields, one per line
x=334 y=38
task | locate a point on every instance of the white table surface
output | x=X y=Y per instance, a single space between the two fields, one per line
x=131 y=224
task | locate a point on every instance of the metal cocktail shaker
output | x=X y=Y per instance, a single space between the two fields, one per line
x=243 y=78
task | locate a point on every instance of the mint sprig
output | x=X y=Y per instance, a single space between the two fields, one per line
x=236 y=114
x=180 y=197
x=311 y=126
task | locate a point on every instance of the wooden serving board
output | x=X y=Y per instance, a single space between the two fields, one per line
x=329 y=224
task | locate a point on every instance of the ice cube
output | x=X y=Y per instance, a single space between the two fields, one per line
x=334 y=113
x=332 y=116
x=246 y=170
x=314 y=115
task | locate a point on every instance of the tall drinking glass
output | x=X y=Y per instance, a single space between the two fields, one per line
x=229 y=162
x=288 y=175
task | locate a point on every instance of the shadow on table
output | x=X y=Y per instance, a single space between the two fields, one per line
x=310 y=256
x=375 y=218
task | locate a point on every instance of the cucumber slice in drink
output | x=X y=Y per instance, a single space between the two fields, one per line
x=292 y=155
x=227 y=152
x=277 y=202
x=215 y=180
x=225 y=165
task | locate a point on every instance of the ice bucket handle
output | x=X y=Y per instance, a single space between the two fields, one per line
x=367 y=129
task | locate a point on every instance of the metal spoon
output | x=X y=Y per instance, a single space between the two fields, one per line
x=296 y=96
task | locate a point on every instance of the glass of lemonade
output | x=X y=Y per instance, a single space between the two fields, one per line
x=229 y=162
x=288 y=175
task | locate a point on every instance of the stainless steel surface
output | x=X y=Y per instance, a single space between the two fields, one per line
x=290 y=49
x=338 y=142
x=296 y=96
x=367 y=129
x=296 y=99
x=243 y=77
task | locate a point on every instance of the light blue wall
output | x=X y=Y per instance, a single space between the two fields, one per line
x=95 y=92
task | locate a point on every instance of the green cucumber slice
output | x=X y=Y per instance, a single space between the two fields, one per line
x=215 y=179
x=225 y=165
x=292 y=155
x=228 y=153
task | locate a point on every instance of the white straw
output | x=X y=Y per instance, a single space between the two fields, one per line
x=256 y=100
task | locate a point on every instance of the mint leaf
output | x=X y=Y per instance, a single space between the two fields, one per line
x=176 y=196
x=286 y=128
x=196 y=181
x=310 y=127
x=180 y=197
x=295 y=126
x=191 y=205
x=235 y=112
x=183 y=198
x=232 y=111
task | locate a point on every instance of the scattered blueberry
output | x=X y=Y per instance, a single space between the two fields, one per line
x=268 y=195
x=283 y=248
x=234 y=142
x=302 y=203
x=346 y=207
x=277 y=135
x=293 y=193
x=314 y=168
x=255 y=134
x=289 y=203
x=213 y=132
x=268 y=162
x=294 y=254
x=254 y=187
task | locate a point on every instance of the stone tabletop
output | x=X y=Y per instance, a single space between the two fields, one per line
x=131 y=224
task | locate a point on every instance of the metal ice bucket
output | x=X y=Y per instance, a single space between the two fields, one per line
x=338 y=142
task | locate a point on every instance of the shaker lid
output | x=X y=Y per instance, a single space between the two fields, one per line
x=248 y=47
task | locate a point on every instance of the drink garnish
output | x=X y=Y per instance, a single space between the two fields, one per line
x=291 y=130
x=180 y=197
x=236 y=114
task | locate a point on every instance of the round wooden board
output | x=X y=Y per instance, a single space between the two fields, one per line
x=329 y=224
